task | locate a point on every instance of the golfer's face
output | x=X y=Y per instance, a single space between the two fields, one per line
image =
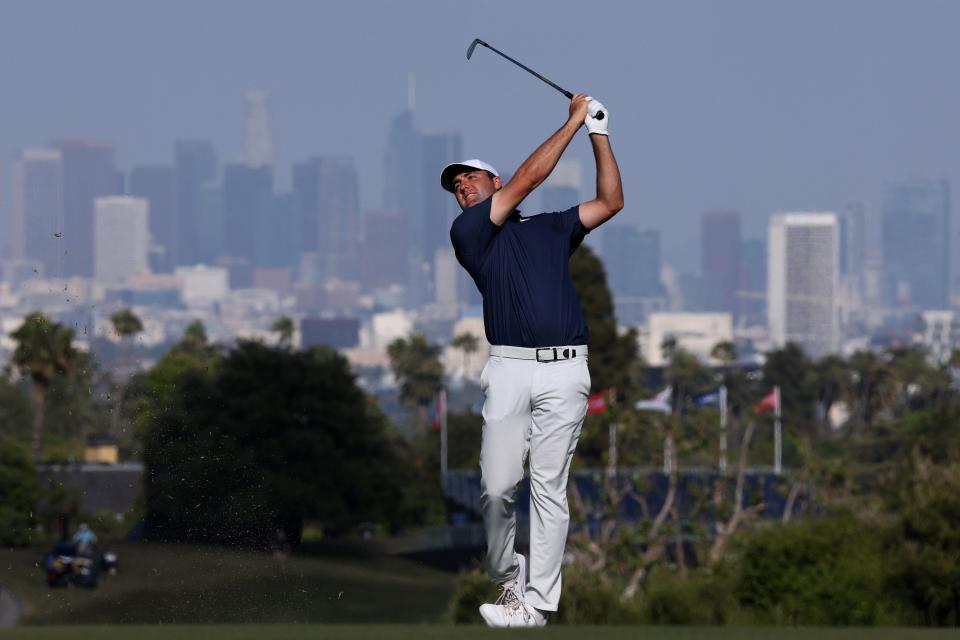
x=471 y=187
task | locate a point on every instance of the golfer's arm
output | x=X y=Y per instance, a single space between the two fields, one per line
x=609 y=198
x=532 y=172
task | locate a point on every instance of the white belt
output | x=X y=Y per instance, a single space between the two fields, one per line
x=540 y=354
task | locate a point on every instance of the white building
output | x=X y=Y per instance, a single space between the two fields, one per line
x=696 y=333
x=802 y=277
x=202 y=285
x=121 y=237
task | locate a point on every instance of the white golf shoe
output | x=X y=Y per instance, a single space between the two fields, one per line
x=510 y=609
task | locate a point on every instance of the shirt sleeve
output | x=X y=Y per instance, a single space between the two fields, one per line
x=572 y=228
x=472 y=234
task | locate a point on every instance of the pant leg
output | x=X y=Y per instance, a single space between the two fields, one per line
x=560 y=393
x=506 y=432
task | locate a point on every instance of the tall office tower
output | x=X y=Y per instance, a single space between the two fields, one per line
x=853 y=239
x=121 y=237
x=385 y=258
x=439 y=206
x=916 y=243
x=403 y=179
x=157 y=185
x=802 y=281
x=38 y=222
x=195 y=163
x=209 y=223
x=326 y=194
x=276 y=238
x=257 y=142
x=752 y=295
x=720 y=261
x=633 y=262
x=247 y=202
x=89 y=172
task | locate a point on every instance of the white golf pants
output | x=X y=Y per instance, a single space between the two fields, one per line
x=532 y=410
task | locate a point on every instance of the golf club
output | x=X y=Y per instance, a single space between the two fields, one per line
x=473 y=45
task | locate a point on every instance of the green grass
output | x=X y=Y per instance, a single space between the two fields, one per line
x=443 y=632
x=198 y=585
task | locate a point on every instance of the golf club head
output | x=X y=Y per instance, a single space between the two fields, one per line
x=473 y=45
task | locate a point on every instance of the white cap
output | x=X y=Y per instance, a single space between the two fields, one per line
x=451 y=170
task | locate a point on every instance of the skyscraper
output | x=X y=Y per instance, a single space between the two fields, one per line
x=326 y=193
x=121 y=237
x=89 y=172
x=385 y=258
x=257 y=142
x=802 y=281
x=916 y=244
x=562 y=189
x=156 y=184
x=195 y=164
x=38 y=222
x=720 y=261
x=247 y=203
x=752 y=295
x=403 y=178
x=439 y=206
x=633 y=264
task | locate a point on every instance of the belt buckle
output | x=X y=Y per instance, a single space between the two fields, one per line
x=548 y=349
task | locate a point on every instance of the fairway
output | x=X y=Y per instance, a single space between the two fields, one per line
x=442 y=632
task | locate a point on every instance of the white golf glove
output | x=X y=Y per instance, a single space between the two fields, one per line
x=593 y=124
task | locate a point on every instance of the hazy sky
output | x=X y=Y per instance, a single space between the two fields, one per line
x=757 y=106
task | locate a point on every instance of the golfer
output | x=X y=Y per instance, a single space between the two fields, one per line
x=536 y=380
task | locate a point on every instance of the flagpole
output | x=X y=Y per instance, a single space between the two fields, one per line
x=777 y=435
x=443 y=437
x=723 y=429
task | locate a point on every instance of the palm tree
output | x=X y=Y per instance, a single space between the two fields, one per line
x=467 y=343
x=284 y=327
x=724 y=352
x=45 y=351
x=127 y=325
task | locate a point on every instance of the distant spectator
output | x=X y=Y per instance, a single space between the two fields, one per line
x=84 y=538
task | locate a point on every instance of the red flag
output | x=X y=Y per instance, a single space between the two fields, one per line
x=597 y=403
x=769 y=402
x=440 y=409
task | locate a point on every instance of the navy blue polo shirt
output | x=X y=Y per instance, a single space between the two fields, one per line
x=523 y=273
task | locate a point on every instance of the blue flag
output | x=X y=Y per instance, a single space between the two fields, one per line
x=709 y=399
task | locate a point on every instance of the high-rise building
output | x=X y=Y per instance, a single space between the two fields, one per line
x=326 y=196
x=276 y=238
x=633 y=263
x=121 y=237
x=752 y=296
x=916 y=244
x=89 y=172
x=209 y=223
x=802 y=282
x=720 y=261
x=247 y=203
x=439 y=206
x=257 y=142
x=195 y=163
x=403 y=185
x=157 y=185
x=38 y=216
x=385 y=257
x=853 y=239
x=562 y=189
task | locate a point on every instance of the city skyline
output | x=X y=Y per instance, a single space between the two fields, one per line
x=728 y=114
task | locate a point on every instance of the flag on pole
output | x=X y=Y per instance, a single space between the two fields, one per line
x=440 y=410
x=708 y=399
x=597 y=403
x=659 y=403
x=770 y=402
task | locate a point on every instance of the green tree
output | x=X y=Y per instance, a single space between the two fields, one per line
x=127 y=325
x=269 y=438
x=20 y=491
x=614 y=361
x=44 y=351
x=417 y=367
x=283 y=327
x=724 y=352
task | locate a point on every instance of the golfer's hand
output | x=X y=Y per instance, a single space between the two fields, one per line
x=578 y=108
x=593 y=125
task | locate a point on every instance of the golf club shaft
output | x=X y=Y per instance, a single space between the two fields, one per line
x=599 y=115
